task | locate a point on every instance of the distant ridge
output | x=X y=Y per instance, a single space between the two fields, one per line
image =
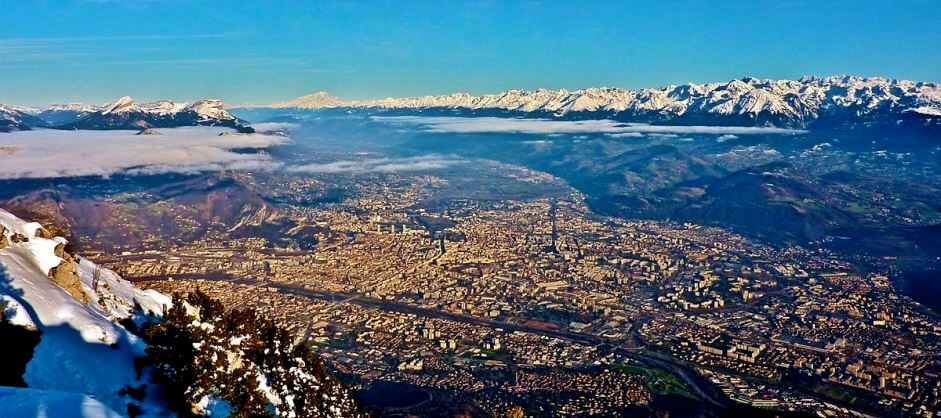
x=745 y=101
x=123 y=113
x=16 y=119
x=319 y=100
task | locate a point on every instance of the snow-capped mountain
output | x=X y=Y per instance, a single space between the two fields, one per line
x=319 y=100
x=17 y=119
x=746 y=101
x=83 y=351
x=125 y=113
x=61 y=114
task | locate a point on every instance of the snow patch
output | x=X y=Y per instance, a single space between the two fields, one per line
x=29 y=402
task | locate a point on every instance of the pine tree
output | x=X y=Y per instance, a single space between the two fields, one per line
x=226 y=354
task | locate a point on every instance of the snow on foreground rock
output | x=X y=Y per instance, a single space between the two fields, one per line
x=19 y=402
x=83 y=350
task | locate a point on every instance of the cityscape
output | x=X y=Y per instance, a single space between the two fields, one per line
x=505 y=302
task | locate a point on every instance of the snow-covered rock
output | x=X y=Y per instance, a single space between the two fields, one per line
x=83 y=349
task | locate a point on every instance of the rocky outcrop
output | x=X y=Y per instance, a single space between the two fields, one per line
x=3 y=238
x=60 y=252
x=149 y=132
x=44 y=233
x=65 y=275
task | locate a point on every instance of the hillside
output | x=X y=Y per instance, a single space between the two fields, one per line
x=15 y=119
x=76 y=306
x=161 y=211
x=84 y=342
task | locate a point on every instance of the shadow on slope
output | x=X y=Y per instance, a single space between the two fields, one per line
x=18 y=341
x=67 y=379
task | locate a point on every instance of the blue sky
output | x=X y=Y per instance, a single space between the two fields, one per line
x=260 y=52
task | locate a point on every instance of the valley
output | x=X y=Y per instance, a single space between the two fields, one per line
x=477 y=209
x=473 y=267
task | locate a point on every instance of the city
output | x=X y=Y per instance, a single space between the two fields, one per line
x=496 y=300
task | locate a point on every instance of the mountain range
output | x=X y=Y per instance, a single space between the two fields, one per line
x=740 y=102
x=15 y=119
x=123 y=113
x=808 y=102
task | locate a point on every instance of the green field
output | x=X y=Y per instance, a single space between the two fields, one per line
x=660 y=381
x=840 y=394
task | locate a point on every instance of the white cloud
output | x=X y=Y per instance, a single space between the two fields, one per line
x=385 y=165
x=448 y=124
x=627 y=135
x=52 y=153
x=267 y=127
x=726 y=137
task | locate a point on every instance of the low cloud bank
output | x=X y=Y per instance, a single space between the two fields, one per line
x=448 y=124
x=52 y=153
x=627 y=135
x=380 y=165
x=269 y=127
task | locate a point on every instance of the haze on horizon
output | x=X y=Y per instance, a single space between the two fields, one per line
x=94 y=51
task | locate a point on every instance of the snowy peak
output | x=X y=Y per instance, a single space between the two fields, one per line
x=30 y=256
x=319 y=100
x=209 y=109
x=162 y=107
x=122 y=105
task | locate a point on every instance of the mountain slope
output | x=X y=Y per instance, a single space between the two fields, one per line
x=164 y=211
x=14 y=119
x=770 y=201
x=61 y=114
x=76 y=306
x=202 y=356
